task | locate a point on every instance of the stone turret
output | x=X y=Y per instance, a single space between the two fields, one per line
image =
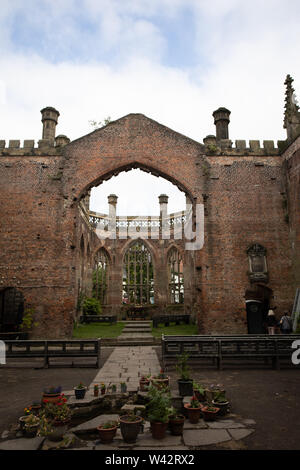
x=291 y=113
x=163 y=205
x=49 y=120
x=221 y=117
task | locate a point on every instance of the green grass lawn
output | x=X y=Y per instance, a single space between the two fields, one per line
x=98 y=330
x=175 y=330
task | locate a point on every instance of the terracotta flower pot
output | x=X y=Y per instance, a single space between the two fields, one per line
x=176 y=425
x=194 y=414
x=209 y=415
x=158 y=430
x=130 y=429
x=51 y=397
x=107 y=434
x=160 y=383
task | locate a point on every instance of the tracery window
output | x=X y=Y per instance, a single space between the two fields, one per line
x=138 y=279
x=175 y=275
x=100 y=276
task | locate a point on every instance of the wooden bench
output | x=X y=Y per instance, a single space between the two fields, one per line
x=167 y=319
x=47 y=349
x=98 y=319
x=222 y=348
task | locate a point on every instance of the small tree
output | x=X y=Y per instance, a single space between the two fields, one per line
x=97 y=125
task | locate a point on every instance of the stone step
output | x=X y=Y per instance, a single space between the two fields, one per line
x=133 y=330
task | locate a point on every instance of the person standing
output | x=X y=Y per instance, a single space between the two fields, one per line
x=285 y=323
x=271 y=322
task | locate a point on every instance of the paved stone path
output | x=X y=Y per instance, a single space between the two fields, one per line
x=127 y=364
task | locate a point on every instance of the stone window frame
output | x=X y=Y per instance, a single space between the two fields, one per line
x=257 y=251
x=138 y=260
x=100 y=288
x=175 y=285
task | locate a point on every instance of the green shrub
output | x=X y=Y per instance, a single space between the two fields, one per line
x=91 y=306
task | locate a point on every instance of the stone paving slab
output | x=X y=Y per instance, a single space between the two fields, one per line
x=205 y=437
x=22 y=444
x=92 y=424
x=225 y=424
x=169 y=441
x=240 y=433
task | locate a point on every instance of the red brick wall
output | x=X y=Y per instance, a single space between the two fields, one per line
x=41 y=225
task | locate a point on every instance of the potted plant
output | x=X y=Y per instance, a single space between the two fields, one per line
x=51 y=394
x=193 y=410
x=213 y=390
x=31 y=425
x=58 y=416
x=199 y=391
x=161 y=380
x=22 y=419
x=80 y=391
x=96 y=390
x=113 y=388
x=36 y=408
x=130 y=426
x=123 y=387
x=102 y=388
x=144 y=383
x=158 y=410
x=221 y=402
x=107 y=431
x=185 y=384
x=176 y=423
x=209 y=412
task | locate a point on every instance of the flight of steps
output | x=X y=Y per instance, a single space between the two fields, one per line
x=137 y=332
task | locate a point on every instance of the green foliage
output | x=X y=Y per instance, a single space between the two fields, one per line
x=182 y=367
x=219 y=397
x=199 y=388
x=91 y=306
x=159 y=406
x=28 y=319
x=175 y=330
x=109 y=425
x=97 y=125
x=98 y=330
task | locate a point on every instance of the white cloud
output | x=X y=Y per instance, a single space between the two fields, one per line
x=112 y=59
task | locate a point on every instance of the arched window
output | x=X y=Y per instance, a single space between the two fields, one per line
x=138 y=281
x=100 y=276
x=175 y=276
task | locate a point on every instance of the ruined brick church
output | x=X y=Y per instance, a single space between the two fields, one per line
x=246 y=196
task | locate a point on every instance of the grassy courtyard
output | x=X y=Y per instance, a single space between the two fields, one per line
x=105 y=330
x=98 y=330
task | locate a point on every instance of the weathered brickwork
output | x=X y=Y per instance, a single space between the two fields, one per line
x=251 y=195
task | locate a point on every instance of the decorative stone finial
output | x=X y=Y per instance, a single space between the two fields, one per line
x=291 y=111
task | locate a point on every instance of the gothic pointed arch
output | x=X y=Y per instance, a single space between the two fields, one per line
x=138 y=275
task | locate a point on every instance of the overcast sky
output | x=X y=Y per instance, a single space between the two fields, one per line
x=175 y=61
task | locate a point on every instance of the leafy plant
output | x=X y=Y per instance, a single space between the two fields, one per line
x=194 y=403
x=219 y=396
x=199 y=388
x=109 y=425
x=28 y=319
x=159 y=405
x=80 y=386
x=31 y=420
x=182 y=367
x=59 y=411
x=53 y=390
x=91 y=306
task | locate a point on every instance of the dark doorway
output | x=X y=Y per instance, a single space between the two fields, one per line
x=11 y=309
x=258 y=300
